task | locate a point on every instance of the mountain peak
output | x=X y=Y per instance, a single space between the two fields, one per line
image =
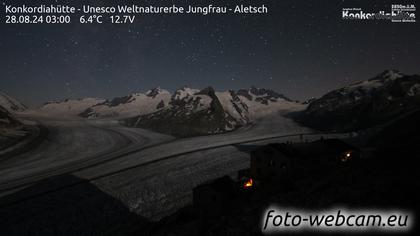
x=153 y=92
x=391 y=74
x=365 y=103
x=207 y=91
x=184 y=92
x=261 y=92
x=185 y=87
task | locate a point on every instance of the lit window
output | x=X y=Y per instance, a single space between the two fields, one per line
x=248 y=184
x=346 y=156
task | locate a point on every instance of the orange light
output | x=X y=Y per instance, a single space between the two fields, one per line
x=346 y=157
x=248 y=183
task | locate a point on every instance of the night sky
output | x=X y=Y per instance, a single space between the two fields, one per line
x=301 y=49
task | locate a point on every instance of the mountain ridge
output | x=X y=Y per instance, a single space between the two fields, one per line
x=11 y=104
x=364 y=104
x=192 y=112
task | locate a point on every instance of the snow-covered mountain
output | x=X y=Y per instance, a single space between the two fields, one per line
x=190 y=112
x=245 y=105
x=69 y=106
x=11 y=104
x=262 y=102
x=132 y=105
x=262 y=95
x=185 y=112
x=198 y=112
x=360 y=105
x=234 y=106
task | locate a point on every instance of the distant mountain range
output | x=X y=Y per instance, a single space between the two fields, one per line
x=198 y=112
x=69 y=106
x=375 y=101
x=129 y=106
x=189 y=111
x=194 y=112
x=184 y=112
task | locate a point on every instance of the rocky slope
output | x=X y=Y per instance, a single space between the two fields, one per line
x=129 y=106
x=11 y=104
x=7 y=120
x=10 y=128
x=185 y=112
x=191 y=112
x=263 y=102
x=372 y=102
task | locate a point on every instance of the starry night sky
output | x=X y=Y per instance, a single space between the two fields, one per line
x=301 y=48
